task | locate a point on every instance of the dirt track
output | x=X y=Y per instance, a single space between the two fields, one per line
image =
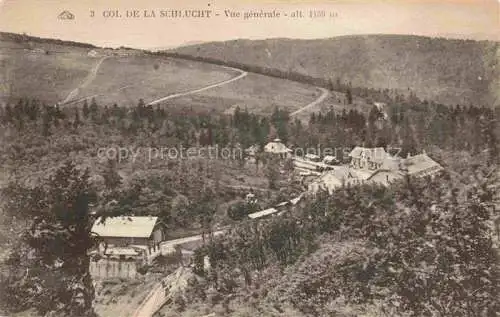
x=90 y=77
x=324 y=94
x=189 y=92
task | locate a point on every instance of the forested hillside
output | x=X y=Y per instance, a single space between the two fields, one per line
x=438 y=69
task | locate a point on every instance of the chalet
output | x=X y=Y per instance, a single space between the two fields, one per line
x=367 y=158
x=338 y=177
x=276 y=147
x=421 y=165
x=395 y=168
x=140 y=233
x=92 y=53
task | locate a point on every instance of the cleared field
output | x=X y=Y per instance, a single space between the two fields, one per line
x=55 y=73
x=45 y=73
x=258 y=93
x=125 y=80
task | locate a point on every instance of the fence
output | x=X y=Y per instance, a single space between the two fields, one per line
x=113 y=268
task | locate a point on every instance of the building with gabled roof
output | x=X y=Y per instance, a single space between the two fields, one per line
x=367 y=158
x=278 y=148
x=336 y=178
x=421 y=165
x=127 y=231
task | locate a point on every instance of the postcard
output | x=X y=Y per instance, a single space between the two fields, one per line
x=249 y=158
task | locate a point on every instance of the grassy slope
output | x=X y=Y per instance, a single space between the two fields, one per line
x=257 y=93
x=448 y=71
x=27 y=71
x=150 y=78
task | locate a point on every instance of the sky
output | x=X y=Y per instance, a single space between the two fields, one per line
x=472 y=19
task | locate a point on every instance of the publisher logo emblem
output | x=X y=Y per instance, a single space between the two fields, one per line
x=66 y=15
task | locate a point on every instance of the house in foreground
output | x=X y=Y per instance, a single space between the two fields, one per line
x=130 y=235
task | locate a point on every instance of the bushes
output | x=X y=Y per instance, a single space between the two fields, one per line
x=241 y=209
x=422 y=249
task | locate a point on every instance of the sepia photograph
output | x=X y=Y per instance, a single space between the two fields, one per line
x=249 y=158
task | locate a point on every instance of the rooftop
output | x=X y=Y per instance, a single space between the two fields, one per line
x=276 y=147
x=376 y=154
x=263 y=213
x=420 y=163
x=135 y=227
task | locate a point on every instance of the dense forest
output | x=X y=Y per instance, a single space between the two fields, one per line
x=442 y=227
x=448 y=71
x=422 y=248
x=23 y=37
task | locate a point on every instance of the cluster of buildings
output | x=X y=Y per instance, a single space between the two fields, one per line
x=138 y=239
x=374 y=166
x=366 y=165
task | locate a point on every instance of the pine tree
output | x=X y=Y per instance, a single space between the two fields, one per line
x=112 y=180
x=85 y=109
x=349 y=96
x=93 y=106
x=272 y=173
x=76 y=121
x=94 y=110
x=59 y=237
x=46 y=123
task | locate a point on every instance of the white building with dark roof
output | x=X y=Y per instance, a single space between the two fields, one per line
x=368 y=158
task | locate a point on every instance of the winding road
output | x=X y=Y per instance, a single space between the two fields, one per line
x=93 y=73
x=189 y=92
x=324 y=95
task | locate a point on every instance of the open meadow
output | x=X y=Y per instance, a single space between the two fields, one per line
x=257 y=93
x=125 y=80
x=47 y=73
